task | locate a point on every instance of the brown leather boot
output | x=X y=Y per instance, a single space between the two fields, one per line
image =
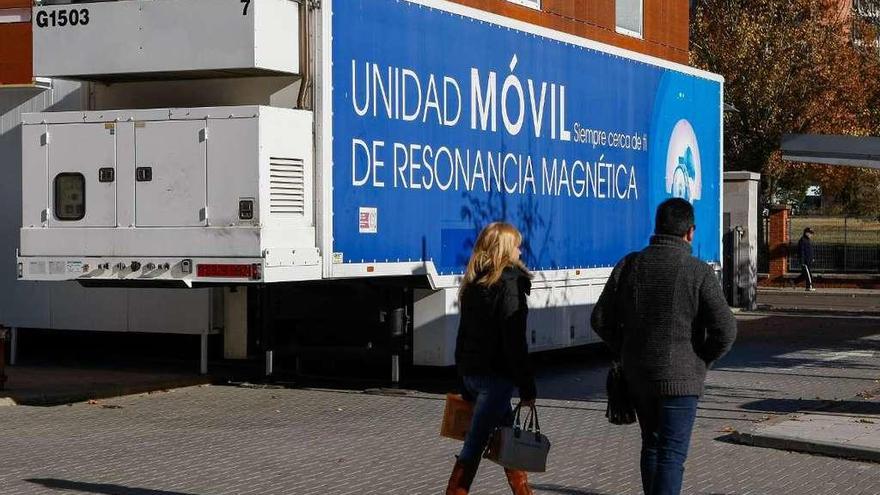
x=519 y=482
x=461 y=479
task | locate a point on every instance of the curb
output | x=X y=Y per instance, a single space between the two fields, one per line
x=820 y=292
x=818 y=447
x=108 y=392
x=781 y=442
x=766 y=308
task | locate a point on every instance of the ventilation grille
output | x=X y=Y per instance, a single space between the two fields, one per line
x=287 y=186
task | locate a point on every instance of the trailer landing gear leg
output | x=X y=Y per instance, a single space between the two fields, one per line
x=395 y=370
x=270 y=363
x=13 y=346
x=3 y=336
x=203 y=364
x=267 y=330
x=398 y=324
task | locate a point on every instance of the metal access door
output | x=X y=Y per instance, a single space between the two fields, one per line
x=170 y=174
x=82 y=175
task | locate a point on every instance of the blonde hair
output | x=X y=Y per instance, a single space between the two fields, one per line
x=493 y=252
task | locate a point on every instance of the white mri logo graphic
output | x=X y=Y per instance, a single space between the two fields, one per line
x=683 y=173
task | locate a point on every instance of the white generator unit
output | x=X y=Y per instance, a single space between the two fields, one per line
x=170 y=195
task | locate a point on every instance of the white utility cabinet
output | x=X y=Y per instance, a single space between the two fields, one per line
x=153 y=194
x=149 y=39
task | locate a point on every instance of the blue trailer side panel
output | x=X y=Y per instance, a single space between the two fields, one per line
x=444 y=123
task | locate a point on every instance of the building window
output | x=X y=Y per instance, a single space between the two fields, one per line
x=532 y=4
x=629 y=17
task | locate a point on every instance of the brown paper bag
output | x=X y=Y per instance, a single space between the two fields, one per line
x=456 y=417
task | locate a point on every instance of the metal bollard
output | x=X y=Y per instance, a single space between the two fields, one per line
x=4 y=333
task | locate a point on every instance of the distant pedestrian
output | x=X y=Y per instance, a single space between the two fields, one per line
x=491 y=351
x=663 y=314
x=805 y=250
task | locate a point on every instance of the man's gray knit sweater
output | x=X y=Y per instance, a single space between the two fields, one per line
x=663 y=312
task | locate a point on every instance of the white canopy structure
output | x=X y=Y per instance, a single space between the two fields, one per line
x=852 y=151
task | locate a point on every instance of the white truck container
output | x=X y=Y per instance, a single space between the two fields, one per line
x=407 y=127
x=131 y=40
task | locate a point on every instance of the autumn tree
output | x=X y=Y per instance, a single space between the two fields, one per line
x=790 y=66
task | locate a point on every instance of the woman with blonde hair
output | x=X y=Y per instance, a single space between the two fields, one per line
x=491 y=353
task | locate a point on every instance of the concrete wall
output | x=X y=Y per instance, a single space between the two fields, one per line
x=741 y=204
x=23 y=303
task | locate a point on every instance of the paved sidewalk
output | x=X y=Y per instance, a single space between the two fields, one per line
x=223 y=440
x=841 y=301
x=849 y=429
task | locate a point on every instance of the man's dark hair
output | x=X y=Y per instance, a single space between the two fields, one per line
x=674 y=217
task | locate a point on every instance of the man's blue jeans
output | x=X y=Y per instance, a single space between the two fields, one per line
x=666 y=424
x=492 y=396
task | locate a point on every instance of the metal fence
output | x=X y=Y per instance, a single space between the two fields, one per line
x=764 y=244
x=840 y=244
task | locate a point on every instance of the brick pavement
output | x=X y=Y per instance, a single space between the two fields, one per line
x=227 y=440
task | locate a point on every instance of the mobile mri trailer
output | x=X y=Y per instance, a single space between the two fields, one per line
x=340 y=161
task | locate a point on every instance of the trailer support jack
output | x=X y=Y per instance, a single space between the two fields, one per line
x=4 y=332
x=203 y=360
x=270 y=363
x=395 y=369
x=13 y=346
x=398 y=324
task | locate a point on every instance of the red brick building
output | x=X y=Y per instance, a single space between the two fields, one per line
x=653 y=27
x=15 y=42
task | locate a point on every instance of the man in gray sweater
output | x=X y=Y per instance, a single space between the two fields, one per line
x=664 y=315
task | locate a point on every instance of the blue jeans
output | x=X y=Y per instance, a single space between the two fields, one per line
x=491 y=409
x=666 y=424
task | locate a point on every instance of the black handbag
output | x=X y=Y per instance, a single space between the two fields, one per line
x=521 y=446
x=620 y=409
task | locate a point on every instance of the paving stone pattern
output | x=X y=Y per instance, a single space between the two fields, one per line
x=214 y=440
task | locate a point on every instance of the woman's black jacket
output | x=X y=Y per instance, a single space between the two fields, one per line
x=492 y=331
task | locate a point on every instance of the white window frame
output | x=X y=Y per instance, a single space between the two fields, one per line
x=629 y=32
x=8 y=16
x=532 y=4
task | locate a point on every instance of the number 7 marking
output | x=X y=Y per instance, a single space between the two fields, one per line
x=247 y=3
